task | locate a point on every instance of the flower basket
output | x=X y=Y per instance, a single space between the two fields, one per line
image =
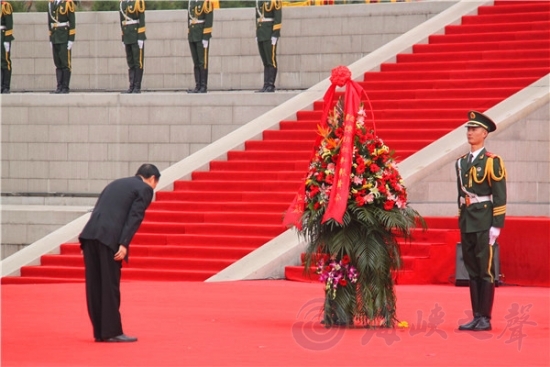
x=352 y=209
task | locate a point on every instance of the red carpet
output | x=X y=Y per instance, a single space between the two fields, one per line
x=205 y=224
x=267 y=323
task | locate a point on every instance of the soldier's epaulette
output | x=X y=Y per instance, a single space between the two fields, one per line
x=463 y=156
x=491 y=155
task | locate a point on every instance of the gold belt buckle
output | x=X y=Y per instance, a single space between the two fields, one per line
x=467 y=199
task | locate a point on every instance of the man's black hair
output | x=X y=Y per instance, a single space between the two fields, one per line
x=147 y=170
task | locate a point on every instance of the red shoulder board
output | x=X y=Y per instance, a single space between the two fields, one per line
x=491 y=155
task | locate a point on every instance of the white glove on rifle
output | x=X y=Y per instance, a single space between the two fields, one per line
x=69 y=45
x=7 y=46
x=205 y=43
x=140 y=43
x=273 y=41
x=494 y=232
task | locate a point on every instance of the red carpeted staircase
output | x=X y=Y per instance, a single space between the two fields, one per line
x=207 y=223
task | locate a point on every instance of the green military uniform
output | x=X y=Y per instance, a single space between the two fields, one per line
x=7 y=37
x=62 y=26
x=481 y=185
x=132 y=23
x=268 y=30
x=200 y=15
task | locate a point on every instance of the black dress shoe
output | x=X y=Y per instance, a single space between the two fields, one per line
x=484 y=324
x=471 y=325
x=122 y=338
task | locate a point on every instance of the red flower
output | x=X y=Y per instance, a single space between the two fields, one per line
x=374 y=168
x=340 y=76
x=388 y=205
x=345 y=259
x=343 y=282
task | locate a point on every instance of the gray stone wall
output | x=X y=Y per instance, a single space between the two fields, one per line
x=77 y=143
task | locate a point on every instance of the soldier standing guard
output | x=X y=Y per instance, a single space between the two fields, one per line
x=61 y=23
x=200 y=15
x=7 y=36
x=132 y=23
x=268 y=30
x=481 y=180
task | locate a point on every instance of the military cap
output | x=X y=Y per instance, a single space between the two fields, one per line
x=477 y=119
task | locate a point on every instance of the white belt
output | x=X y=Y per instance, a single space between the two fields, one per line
x=474 y=199
x=2 y=27
x=131 y=21
x=265 y=20
x=196 y=21
x=57 y=25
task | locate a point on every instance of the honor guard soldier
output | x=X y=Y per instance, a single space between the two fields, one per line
x=132 y=22
x=268 y=30
x=200 y=15
x=61 y=23
x=481 y=180
x=7 y=37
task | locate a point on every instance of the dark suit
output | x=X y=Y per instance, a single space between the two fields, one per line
x=115 y=219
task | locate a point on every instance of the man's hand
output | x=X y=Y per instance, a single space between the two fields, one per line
x=205 y=43
x=273 y=41
x=70 y=45
x=121 y=253
x=494 y=232
x=7 y=46
x=140 y=43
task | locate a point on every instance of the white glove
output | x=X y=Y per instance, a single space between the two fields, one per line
x=51 y=45
x=205 y=43
x=140 y=43
x=69 y=45
x=7 y=46
x=123 y=45
x=494 y=232
x=273 y=41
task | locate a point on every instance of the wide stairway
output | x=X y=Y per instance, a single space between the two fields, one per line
x=220 y=215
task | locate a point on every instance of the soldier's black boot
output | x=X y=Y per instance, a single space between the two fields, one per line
x=137 y=81
x=487 y=297
x=265 y=80
x=197 y=73
x=475 y=293
x=271 y=75
x=6 y=77
x=59 y=79
x=204 y=81
x=131 y=79
x=7 y=81
x=66 y=80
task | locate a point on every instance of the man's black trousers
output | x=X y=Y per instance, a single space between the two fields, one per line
x=102 y=289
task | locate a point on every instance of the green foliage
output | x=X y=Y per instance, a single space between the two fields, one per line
x=237 y=4
x=369 y=237
x=20 y=6
x=106 y=5
x=40 y=6
x=165 y=5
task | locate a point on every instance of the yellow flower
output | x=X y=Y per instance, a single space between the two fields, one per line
x=403 y=325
